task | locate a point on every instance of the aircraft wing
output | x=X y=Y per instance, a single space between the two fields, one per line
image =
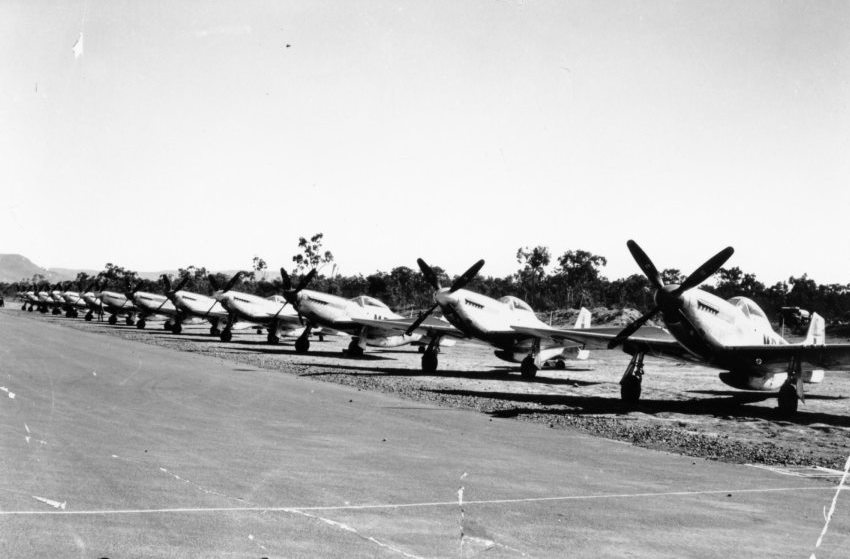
x=826 y=356
x=651 y=340
x=430 y=327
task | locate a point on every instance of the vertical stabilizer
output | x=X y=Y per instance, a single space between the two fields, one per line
x=817 y=331
x=583 y=319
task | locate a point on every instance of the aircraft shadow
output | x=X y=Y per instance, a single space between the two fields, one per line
x=760 y=396
x=723 y=408
x=493 y=374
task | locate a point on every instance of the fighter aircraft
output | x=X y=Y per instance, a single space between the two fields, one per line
x=149 y=305
x=342 y=315
x=733 y=335
x=93 y=302
x=117 y=303
x=74 y=301
x=472 y=315
x=190 y=306
x=30 y=299
x=272 y=313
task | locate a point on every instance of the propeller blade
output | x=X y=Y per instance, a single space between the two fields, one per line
x=420 y=319
x=429 y=274
x=285 y=279
x=213 y=283
x=181 y=285
x=632 y=328
x=166 y=281
x=233 y=281
x=645 y=264
x=467 y=276
x=706 y=270
x=306 y=280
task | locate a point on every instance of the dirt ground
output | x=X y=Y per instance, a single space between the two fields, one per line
x=684 y=409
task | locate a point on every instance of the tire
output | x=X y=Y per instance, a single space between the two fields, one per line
x=429 y=362
x=89 y=316
x=787 y=400
x=176 y=328
x=302 y=345
x=272 y=339
x=141 y=324
x=630 y=391
x=226 y=336
x=527 y=368
x=113 y=320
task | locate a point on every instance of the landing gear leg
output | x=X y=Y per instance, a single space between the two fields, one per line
x=631 y=382
x=792 y=391
x=528 y=367
x=272 y=338
x=429 y=357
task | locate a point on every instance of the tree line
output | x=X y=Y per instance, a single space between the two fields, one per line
x=571 y=280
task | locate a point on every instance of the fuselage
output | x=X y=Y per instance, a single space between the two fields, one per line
x=194 y=304
x=116 y=302
x=338 y=313
x=153 y=303
x=258 y=310
x=709 y=328
x=489 y=319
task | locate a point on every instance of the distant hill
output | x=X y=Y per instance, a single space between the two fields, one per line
x=16 y=267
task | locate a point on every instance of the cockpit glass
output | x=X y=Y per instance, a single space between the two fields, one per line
x=366 y=301
x=515 y=303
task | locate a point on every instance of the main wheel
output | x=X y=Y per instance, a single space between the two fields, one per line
x=787 y=399
x=272 y=338
x=527 y=368
x=176 y=328
x=24 y=307
x=214 y=331
x=560 y=364
x=141 y=324
x=113 y=320
x=302 y=344
x=129 y=321
x=429 y=361
x=226 y=335
x=89 y=316
x=30 y=309
x=354 y=349
x=56 y=310
x=630 y=390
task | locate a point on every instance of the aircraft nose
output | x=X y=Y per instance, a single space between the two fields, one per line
x=445 y=299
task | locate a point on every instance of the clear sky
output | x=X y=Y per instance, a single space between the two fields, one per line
x=189 y=133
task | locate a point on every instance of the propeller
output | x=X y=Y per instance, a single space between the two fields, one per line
x=290 y=294
x=434 y=281
x=667 y=300
x=169 y=291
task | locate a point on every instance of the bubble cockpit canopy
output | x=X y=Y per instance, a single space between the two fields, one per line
x=515 y=303
x=366 y=301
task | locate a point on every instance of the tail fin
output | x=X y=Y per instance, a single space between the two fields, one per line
x=583 y=319
x=817 y=331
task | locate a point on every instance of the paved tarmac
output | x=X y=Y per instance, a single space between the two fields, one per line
x=112 y=448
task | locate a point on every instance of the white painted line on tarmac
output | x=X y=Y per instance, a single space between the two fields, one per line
x=603 y=496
